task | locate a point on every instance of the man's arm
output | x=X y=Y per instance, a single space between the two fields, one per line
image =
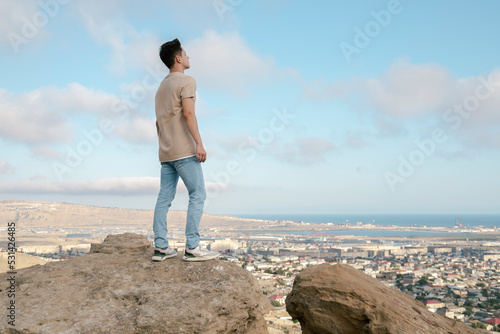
x=192 y=125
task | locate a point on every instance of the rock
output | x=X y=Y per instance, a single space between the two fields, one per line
x=340 y=299
x=125 y=292
x=122 y=243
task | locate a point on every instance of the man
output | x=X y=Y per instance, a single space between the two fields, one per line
x=181 y=154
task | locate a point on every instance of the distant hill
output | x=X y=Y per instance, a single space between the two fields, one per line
x=62 y=215
x=22 y=261
x=30 y=214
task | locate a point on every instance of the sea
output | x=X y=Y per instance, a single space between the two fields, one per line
x=417 y=220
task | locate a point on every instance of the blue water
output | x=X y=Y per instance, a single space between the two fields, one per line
x=364 y=233
x=433 y=220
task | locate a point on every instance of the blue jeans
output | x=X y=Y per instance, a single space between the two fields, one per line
x=189 y=169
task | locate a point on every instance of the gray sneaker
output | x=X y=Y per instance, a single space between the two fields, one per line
x=161 y=254
x=198 y=254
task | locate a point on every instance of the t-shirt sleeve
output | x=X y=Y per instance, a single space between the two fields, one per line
x=188 y=88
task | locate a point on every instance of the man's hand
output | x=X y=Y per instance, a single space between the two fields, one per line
x=201 y=154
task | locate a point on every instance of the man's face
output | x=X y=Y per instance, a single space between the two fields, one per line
x=185 y=59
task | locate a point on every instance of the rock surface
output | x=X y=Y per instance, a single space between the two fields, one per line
x=119 y=291
x=122 y=243
x=340 y=299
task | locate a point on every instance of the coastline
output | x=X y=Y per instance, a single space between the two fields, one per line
x=386 y=219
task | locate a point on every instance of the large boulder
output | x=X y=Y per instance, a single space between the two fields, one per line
x=123 y=291
x=340 y=299
x=122 y=243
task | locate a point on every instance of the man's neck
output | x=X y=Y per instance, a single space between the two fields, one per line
x=180 y=70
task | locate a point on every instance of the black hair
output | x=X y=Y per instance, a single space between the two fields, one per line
x=168 y=52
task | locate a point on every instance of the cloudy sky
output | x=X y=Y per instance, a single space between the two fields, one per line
x=324 y=107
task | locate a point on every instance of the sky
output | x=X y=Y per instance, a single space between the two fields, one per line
x=318 y=107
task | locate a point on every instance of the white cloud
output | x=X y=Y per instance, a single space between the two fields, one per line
x=41 y=116
x=298 y=150
x=208 y=13
x=473 y=117
x=45 y=152
x=203 y=108
x=117 y=186
x=125 y=186
x=423 y=93
x=407 y=89
x=487 y=112
x=356 y=140
x=130 y=49
x=12 y=16
x=75 y=97
x=22 y=22
x=26 y=120
x=5 y=167
x=141 y=130
x=38 y=177
x=302 y=150
x=319 y=88
x=226 y=62
x=388 y=128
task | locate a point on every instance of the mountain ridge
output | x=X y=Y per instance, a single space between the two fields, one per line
x=37 y=214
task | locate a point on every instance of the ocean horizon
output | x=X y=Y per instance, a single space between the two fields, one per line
x=431 y=220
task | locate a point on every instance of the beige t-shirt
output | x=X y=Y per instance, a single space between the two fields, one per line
x=174 y=138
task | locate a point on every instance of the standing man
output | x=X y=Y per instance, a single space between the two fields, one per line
x=181 y=154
